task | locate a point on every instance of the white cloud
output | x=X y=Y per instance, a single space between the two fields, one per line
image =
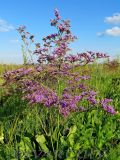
x=115 y=19
x=5 y=26
x=115 y=32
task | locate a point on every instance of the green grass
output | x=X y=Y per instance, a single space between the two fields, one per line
x=29 y=131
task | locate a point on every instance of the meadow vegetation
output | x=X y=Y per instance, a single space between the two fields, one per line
x=62 y=107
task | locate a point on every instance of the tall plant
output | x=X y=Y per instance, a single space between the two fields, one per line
x=55 y=83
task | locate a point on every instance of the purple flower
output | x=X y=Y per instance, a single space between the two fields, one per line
x=55 y=61
x=92 y=100
x=21 y=72
x=57 y=14
x=50 y=58
x=92 y=93
x=78 y=98
x=72 y=58
x=21 y=29
x=82 y=86
x=101 y=55
x=39 y=68
x=107 y=107
x=84 y=93
x=63 y=104
x=53 y=22
x=39 y=98
x=61 y=28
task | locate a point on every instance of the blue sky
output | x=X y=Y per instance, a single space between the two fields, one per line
x=95 y=22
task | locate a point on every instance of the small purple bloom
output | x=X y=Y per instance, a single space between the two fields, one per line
x=107 y=107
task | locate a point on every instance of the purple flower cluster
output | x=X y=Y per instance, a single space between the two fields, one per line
x=92 y=97
x=55 y=46
x=108 y=108
x=17 y=73
x=21 y=29
x=25 y=35
x=57 y=14
x=85 y=57
x=68 y=38
x=55 y=63
x=49 y=37
x=75 y=77
x=40 y=51
x=39 y=68
x=72 y=58
x=101 y=55
x=37 y=93
x=68 y=103
x=61 y=50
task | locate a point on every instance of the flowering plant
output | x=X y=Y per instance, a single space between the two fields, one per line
x=55 y=81
x=55 y=61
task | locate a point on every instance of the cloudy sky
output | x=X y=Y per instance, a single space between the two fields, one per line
x=95 y=22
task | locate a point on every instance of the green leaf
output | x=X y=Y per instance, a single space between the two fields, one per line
x=77 y=146
x=71 y=139
x=72 y=154
x=25 y=144
x=1 y=134
x=1 y=138
x=44 y=147
x=54 y=135
x=100 y=144
x=40 y=138
x=63 y=142
x=73 y=129
x=69 y=158
x=71 y=134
